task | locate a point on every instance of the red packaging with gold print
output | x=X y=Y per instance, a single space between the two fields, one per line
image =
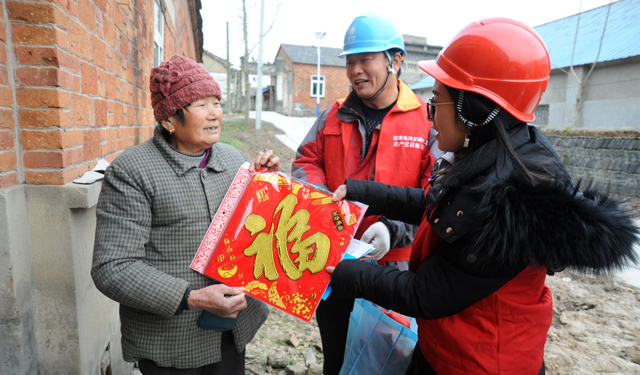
x=275 y=236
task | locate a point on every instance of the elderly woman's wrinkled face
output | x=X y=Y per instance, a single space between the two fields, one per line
x=201 y=130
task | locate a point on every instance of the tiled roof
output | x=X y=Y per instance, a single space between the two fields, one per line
x=309 y=55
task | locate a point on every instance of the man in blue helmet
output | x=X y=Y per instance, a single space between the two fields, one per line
x=380 y=132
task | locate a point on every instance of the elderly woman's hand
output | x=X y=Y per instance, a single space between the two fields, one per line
x=212 y=299
x=265 y=159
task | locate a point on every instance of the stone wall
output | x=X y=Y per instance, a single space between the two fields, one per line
x=608 y=161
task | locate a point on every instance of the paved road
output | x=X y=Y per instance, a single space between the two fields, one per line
x=296 y=128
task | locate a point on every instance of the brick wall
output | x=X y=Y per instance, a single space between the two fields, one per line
x=336 y=85
x=74 y=78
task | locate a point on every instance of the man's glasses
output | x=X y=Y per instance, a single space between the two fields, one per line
x=431 y=108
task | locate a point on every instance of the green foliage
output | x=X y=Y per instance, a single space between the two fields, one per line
x=232 y=142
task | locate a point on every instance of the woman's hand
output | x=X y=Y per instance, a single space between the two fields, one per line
x=340 y=193
x=330 y=270
x=212 y=299
x=265 y=159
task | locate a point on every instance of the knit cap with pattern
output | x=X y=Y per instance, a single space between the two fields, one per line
x=177 y=82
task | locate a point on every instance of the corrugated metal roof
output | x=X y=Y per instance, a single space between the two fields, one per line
x=309 y=55
x=621 y=36
x=424 y=83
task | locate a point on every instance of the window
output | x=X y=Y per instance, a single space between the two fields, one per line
x=542 y=115
x=158 y=32
x=317 y=86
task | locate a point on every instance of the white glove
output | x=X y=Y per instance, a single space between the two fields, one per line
x=378 y=235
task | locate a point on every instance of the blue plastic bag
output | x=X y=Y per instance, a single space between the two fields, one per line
x=377 y=344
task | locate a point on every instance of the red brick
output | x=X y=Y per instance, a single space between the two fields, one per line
x=115 y=110
x=55 y=139
x=4 y=78
x=7 y=160
x=89 y=79
x=6 y=119
x=6 y=97
x=98 y=52
x=102 y=4
x=29 y=76
x=84 y=168
x=87 y=14
x=112 y=84
x=40 y=35
x=50 y=178
x=37 y=76
x=3 y=53
x=78 y=40
x=80 y=110
x=68 y=62
x=52 y=159
x=100 y=108
x=68 y=6
x=117 y=64
x=41 y=97
x=109 y=32
x=44 y=118
x=7 y=139
x=99 y=15
x=8 y=179
x=128 y=73
x=42 y=159
x=28 y=55
x=112 y=141
x=36 y=13
x=3 y=31
x=91 y=144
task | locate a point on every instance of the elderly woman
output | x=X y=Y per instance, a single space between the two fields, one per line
x=157 y=201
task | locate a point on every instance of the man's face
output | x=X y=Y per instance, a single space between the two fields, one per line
x=367 y=72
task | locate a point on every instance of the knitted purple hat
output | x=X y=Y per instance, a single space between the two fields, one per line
x=178 y=82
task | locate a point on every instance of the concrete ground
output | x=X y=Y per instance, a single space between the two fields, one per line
x=296 y=128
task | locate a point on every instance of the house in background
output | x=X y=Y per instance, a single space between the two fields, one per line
x=298 y=85
x=595 y=73
x=217 y=67
x=417 y=50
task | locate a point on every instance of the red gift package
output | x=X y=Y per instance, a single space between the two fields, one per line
x=275 y=236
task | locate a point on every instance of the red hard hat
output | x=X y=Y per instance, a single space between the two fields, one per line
x=500 y=58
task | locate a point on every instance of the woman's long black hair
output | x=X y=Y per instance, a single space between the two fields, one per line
x=477 y=108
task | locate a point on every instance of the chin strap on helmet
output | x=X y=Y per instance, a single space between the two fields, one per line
x=470 y=124
x=390 y=70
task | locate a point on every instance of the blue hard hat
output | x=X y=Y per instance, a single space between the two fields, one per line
x=372 y=32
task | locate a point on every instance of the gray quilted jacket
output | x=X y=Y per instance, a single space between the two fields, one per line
x=153 y=211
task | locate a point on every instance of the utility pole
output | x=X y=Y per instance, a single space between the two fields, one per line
x=229 y=104
x=319 y=35
x=259 y=88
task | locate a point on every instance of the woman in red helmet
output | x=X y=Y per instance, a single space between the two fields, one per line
x=499 y=216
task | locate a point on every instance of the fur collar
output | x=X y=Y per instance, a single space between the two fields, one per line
x=554 y=225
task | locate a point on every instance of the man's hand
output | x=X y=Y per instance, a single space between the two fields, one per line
x=378 y=235
x=265 y=159
x=212 y=299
